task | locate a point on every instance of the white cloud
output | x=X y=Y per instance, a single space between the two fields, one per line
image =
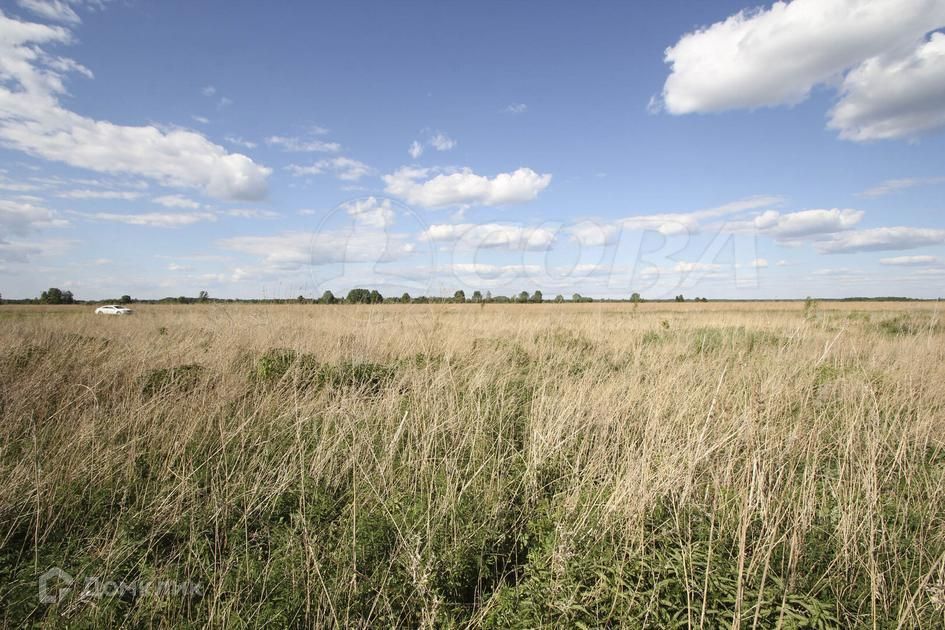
x=151 y=219
x=23 y=251
x=465 y=187
x=203 y=120
x=442 y=142
x=33 y=120
x=251 y=213
x=806 y=223
x=491 y=271
x=208 y=90
x=883 y=238
x=176 y=201
x=20 y=217
x=241 y=142
x=593 y=234
x=88 y=182
x=438 y=141
x=909 y=260
x=16 y=186
x=894 y=95
x=739 y=205
x=687 y=273
x=675 y=223
x=775 y=56
x=517 y=108
x=55 y=10
x=892 y=185
x=371 y=212
x=758 y=263
x=301 y=145
x=99 y=194
x=490 y=235
x=931 y=271
x=343 y=168
x=838 y=272
x=665 y=224
x=690 y=267
x=292 y=250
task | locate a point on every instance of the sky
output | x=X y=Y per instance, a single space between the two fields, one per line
x=716 y=149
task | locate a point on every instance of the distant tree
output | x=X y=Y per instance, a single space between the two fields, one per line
x=358 y=296
x=52 y=295
x=635 y=298
x=536 y=297
x=459 y=297
x=364 y=296
x=56 y=296
x=523 y=297
x=488 y=297
x=577 y=298
x=125 y=299
x=680 y=298
x=183 y=300
x=327 y=298
x=476 y=296
x=203 y=296
x=405 y=298
x=300 y=299
x=559 y=298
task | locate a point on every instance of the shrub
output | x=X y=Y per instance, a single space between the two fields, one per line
x=273 y=365
x=810 y=308
x=901 y=325
x=180 y=379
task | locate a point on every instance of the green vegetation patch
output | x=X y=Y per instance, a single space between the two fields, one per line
x=517 y=355
x=181 y=379
x=581 y=579
x=905 y=325
x=306 y=371
x=273 y=365
x=706 y=341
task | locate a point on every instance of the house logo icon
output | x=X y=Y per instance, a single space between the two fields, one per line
x=48 y=593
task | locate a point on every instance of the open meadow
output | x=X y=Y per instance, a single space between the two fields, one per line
x=657 y=465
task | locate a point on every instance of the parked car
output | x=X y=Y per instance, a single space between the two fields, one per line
x=113 y=309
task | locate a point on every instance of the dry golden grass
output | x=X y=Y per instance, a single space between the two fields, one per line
x=745 y=464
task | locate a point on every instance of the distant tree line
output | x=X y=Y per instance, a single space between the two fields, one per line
x=54 y=295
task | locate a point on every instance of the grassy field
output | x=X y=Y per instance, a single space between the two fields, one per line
x=703 y=465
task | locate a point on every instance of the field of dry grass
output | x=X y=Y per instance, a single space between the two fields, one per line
x=702 y=465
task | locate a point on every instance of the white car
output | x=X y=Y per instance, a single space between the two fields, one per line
x=113 y=309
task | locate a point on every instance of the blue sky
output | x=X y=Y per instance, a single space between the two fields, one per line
x=718 y=149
